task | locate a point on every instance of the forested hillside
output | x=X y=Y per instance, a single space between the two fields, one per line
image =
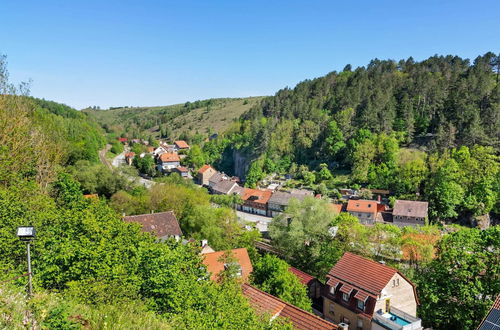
x=425 y=130
x=183 y=121
x=92 y=270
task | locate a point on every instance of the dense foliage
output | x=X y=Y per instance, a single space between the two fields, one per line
x=388 y=125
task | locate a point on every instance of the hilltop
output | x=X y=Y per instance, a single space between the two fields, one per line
x=206 y=116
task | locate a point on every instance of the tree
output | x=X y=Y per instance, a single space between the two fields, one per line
x=334 y=140
x=301 y=233
x=458 y=287
x=273 y=276
x=324 y=173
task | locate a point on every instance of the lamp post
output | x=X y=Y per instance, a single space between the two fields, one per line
x=27 y=234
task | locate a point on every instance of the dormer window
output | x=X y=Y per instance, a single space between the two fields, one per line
x=361 y=305
x=345 y=297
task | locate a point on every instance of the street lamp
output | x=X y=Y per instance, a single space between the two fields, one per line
x=27 y=234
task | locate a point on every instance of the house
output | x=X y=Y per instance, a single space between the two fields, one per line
x=255 y=201
x=150 y=150
x=163 y=225
x=227 y=187
x=181 y=145
x=182 y=171
x=280 y=200
x=216 y=178
x=169 y=161
x=205 y=248
x=122 y=140
x=492 y=320
x=216 y=264
x=204 y=174
x=312 y=284
x=129 y=157
x=366 y=294
x=266 y=304
x=409 y=213
x=158 y=151
x=365 y=210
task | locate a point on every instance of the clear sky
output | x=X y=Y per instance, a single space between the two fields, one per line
x=117 y=53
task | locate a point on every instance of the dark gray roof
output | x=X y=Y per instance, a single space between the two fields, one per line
x=217 y=177
x=283 y=197
x=161 y=224
x=224 y=186
x=410 y=208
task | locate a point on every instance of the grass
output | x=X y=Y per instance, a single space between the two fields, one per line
x=214 y=118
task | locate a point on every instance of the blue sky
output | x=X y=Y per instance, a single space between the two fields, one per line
x=117 y=53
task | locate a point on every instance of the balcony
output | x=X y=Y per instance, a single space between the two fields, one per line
x=397 y=320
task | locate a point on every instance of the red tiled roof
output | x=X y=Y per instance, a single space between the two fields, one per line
x=122 y=139
x=261 y=302
x=496 y=304
x=204 y=168
x=170 y=157
x=361 y=205
x=181 y=169
x=91 y=196
x=215 y=265
x=263 y=196
x=129 y=154
x=161 y=224
x=362 y=273
x=301 y=319
x=181 y=144
x=303 y=277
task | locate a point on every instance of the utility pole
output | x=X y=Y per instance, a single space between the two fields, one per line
x=30 y=275
x=27 y=234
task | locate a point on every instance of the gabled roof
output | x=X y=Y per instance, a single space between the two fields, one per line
x=181 y=144
x=181 y=169
x=492 y=320
x=304 y=278
x=225 y=186
x=217 y=177
x=283 y=197
x=410 y=208
x=263 y=302
x=204 y=168
x=361 y=273
x=169 y=157
x=361 y=205
x=161 y=224
x=215 y=265
x=256 y=195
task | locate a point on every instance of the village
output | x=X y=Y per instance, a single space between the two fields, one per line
x=358 y=293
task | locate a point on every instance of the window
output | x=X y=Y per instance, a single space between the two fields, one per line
x=345 y=297
x=368 y=215
x=331 y=309
x=360 y=324
x=361 y=305
x=345 y=320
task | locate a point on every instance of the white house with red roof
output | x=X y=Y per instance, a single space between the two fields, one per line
x=366 y=294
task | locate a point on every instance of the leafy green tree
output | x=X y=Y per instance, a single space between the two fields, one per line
x=458 y=287
x=302 y=233
x=272 y=275
x=324 y=173
x=255 y=173
x=334 y=140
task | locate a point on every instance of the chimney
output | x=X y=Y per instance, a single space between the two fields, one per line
x=204 y=242
x=152 y=211
x=379 y=199
x=123 y=214
x=343 y=326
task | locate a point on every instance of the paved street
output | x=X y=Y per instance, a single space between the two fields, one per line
x=260 y=221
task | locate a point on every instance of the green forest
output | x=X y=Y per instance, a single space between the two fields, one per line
x=424 y=130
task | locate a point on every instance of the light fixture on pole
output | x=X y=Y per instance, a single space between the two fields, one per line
x=27 y=234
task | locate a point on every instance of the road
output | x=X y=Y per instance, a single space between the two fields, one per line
x=261 y=222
